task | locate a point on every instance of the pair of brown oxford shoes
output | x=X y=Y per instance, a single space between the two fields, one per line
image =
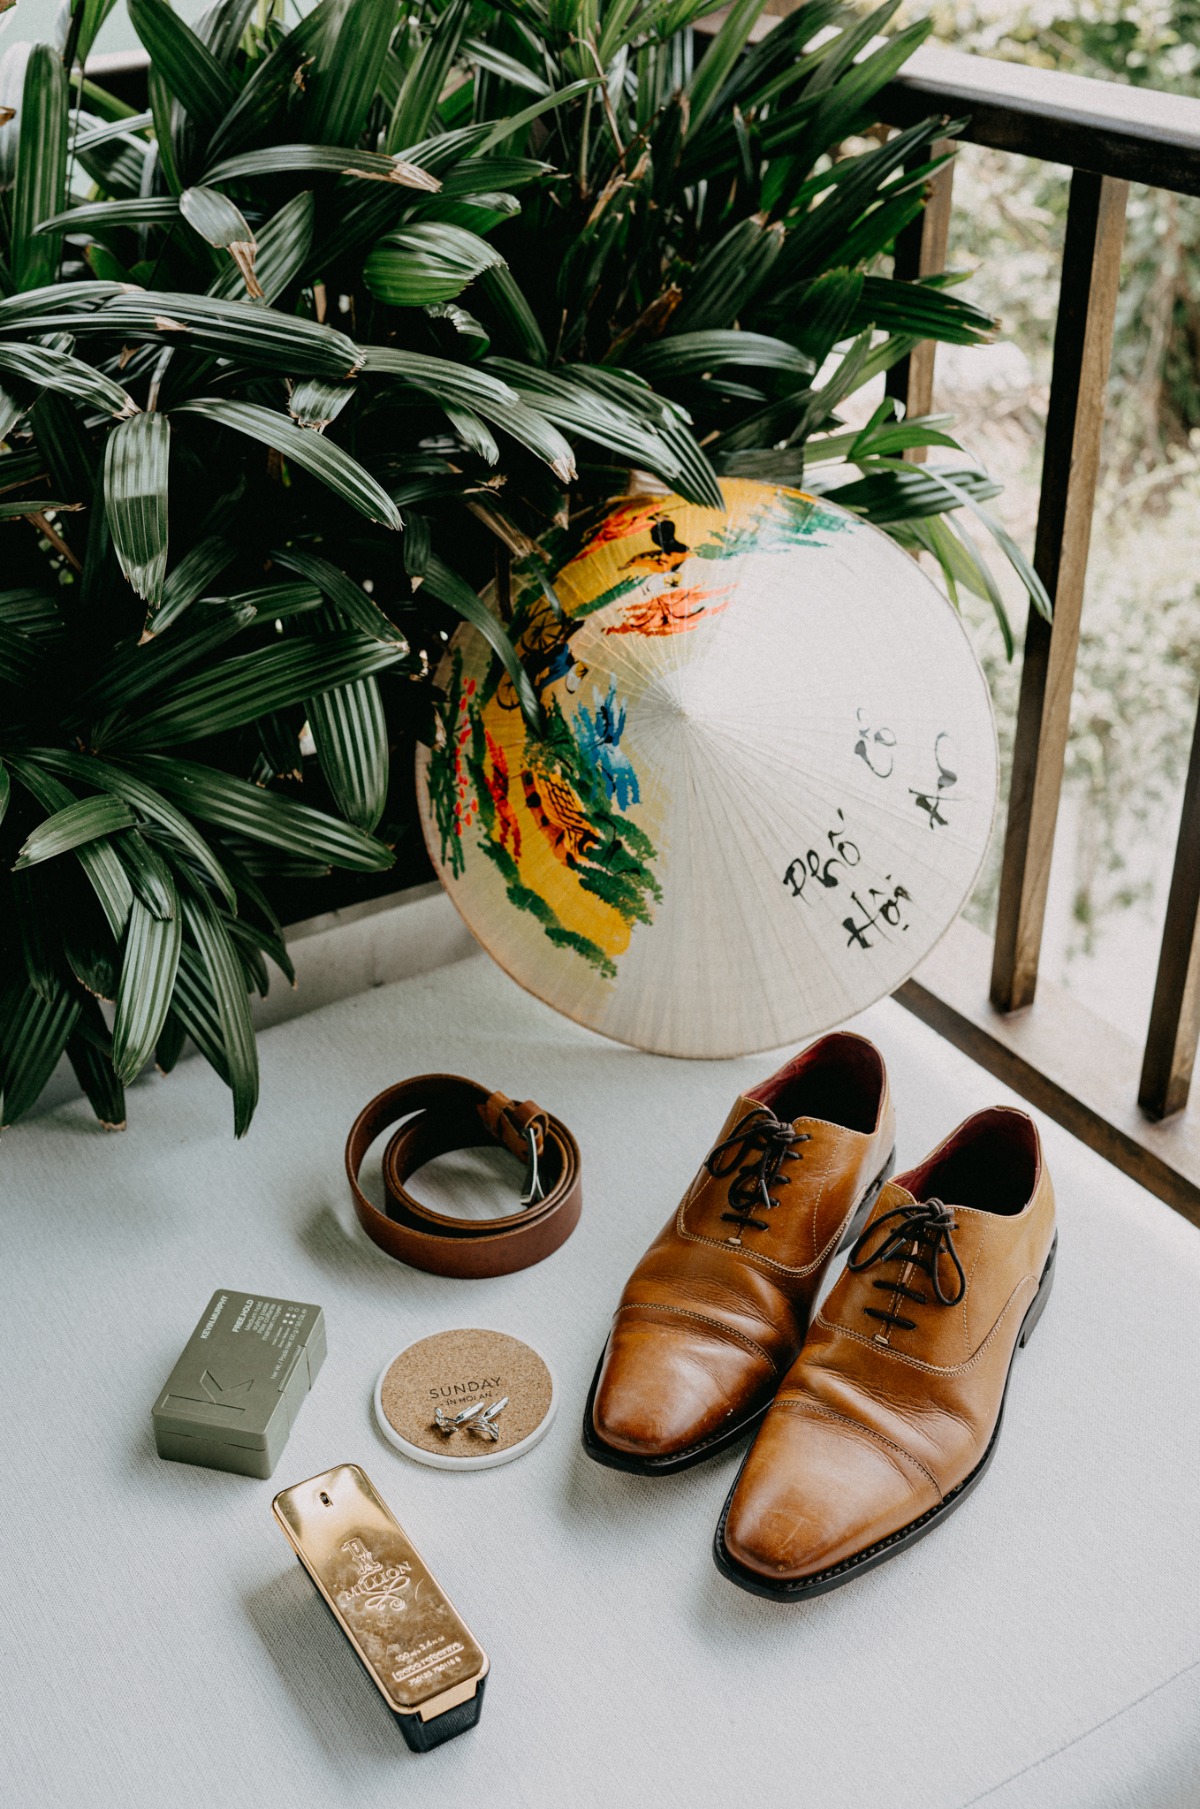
x=877 y=1416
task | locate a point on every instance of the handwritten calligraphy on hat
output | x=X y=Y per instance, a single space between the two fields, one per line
x=876 y=748
x=829 y=867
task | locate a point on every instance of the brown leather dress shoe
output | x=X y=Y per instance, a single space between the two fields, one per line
x=890 y=1415
x=717 y=1308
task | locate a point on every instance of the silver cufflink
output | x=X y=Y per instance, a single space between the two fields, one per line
x=486 y=1423
x=480 y=1418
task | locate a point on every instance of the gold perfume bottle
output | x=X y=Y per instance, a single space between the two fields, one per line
x=409 y=1638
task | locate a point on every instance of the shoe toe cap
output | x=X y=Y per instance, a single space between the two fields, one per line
x=665 y=1388
x=817 y=1491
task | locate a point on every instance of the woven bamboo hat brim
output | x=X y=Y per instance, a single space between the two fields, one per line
x=765 y=789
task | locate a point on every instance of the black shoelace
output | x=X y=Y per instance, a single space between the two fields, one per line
x=916 y=1235
x=762 y=1143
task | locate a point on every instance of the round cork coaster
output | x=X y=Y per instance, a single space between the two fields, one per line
x=453 y=1372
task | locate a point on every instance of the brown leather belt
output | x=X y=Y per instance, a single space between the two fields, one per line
x=444 y=1112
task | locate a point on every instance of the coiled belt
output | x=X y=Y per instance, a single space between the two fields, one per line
x=444 y=1112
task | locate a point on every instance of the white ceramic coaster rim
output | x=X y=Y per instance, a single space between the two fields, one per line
x=485 y=1460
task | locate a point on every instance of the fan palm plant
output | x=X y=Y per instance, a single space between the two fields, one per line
x=289 y=359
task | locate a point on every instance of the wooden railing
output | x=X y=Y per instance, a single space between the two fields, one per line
x=1128 y=1104
x=1069 y=1062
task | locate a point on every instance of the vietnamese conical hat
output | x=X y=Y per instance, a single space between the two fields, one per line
x=765 y=788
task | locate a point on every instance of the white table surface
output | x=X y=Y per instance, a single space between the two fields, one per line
x=162 y=1648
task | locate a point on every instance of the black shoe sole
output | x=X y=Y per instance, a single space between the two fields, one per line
x=606 y=1454
x=805 y=1587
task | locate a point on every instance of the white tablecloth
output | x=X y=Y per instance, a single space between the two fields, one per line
x=162 y=1648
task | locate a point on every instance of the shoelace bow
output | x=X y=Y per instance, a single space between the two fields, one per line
x=916 y=1234
x=762 y=1143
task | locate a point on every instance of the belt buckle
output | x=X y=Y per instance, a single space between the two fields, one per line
x=532 y=1192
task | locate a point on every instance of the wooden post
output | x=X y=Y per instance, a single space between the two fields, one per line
x=921 y=251
x=1071 y=462
x=1175 y=1014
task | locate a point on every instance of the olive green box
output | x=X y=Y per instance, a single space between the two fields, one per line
x=235 y=1391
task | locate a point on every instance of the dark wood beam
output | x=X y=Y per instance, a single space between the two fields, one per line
x=1083 y=337
x=921 y=251
x=1175 y=1014
x=1108 y=127
x=1067 y=1062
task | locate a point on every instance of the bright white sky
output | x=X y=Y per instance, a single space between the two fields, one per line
x=35 y=19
